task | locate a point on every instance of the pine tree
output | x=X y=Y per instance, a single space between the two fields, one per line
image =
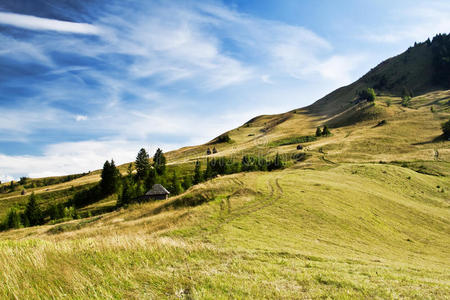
x=13 y=219
x=208 y=174
x=110 y=178
x=128 y=192
x=187 y=182
x=142 y=164
x=197 y=173
x=150 y=180
x=159 y=162
x=32 y=211
x=130 y=170
x=325 y=130
x=176 y=184
x=318 y=131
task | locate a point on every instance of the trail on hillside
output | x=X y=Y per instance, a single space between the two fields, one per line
x=274 y=195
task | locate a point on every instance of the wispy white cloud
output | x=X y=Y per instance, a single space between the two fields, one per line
x=37 y=23
x=70 y=158
x=79 y=118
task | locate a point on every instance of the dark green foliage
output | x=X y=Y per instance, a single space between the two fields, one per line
x=13 y=219
x=187 y=182
x=368 y=94
x=208 y=174
x=32 y=183
x=446 y=129
x=87 y=196
x=325 y=131
x=33 y=213
x=110 y=178
x=318 y=132
x=56 y=211
x=406 y=101
x=276 y=163
x=142 y=164
x=151 y=178
x=128 y=193
x=159 y=162
x=254 y=163
x=440 y=48
x=224 y=138
x=294 y=140
x=175 y=185
x=197 y=173
x=23 y=180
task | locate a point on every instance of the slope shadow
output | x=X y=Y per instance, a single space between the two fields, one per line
x=437 y=139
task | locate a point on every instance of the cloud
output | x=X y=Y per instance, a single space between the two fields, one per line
x=70 y=158
x=79 y=118
x=36 y=23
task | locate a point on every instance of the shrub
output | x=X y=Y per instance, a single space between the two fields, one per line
x=318 y=132
x=368 y=94
x=406 y=101
x=224 y=138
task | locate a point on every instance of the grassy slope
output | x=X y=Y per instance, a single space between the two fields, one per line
x=355 y=230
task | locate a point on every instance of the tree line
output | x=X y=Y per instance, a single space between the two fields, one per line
x=130 y=187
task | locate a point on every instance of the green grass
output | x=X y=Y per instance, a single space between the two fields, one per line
x=293 y=140
x=350 y=231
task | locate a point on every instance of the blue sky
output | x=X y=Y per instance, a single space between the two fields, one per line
x=86 y=81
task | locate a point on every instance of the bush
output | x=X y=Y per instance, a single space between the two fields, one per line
x=406 y=101
x=368 y=95
x=224 y=138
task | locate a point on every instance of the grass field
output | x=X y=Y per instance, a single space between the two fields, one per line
x=349 y=231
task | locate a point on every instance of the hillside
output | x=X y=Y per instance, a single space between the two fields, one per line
x=357 y=230
x=361 y=213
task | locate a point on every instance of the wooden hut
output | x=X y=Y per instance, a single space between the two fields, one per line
x=158 y=192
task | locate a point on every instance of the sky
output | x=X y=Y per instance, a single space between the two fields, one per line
x=86 y=81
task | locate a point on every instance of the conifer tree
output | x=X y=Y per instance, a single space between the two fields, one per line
x=150 y=180
x=318 y=131
x=208 y=174
x=110 y=178
x=197 y=173
x=128 y=192
x=176 y=184
x=13 y=219
x=142 y=164
x=325 y=130
x=187 y=182
x=159 y=162
x=32 y=212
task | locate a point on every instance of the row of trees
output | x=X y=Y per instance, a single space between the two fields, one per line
x=31 y=216
x=135 y=183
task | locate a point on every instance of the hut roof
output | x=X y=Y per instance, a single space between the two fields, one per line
x=157 y=189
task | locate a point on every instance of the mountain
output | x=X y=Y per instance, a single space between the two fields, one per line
x=419 y=70
x=360 y=213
